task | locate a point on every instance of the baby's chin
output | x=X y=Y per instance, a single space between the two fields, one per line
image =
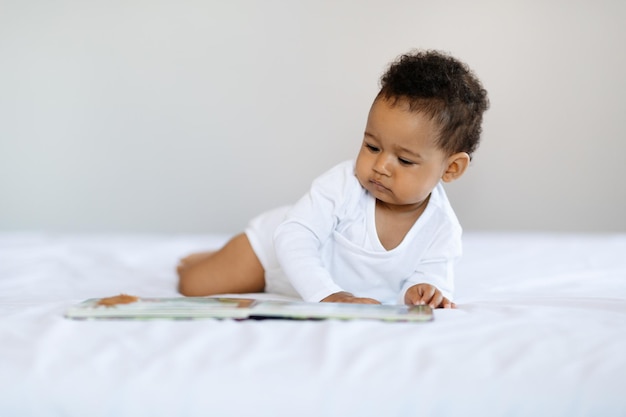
x=361 y=182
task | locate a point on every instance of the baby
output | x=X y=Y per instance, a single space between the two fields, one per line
x=378 y=229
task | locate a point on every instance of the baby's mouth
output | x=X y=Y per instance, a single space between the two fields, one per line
x=379 y=186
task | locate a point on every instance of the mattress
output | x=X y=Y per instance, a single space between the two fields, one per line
x=540 y=330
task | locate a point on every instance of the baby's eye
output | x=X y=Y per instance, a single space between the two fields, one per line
x=406 y=162
x=372 y=148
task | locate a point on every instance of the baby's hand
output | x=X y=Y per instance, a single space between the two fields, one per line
x=426 y=294
x=346 y=297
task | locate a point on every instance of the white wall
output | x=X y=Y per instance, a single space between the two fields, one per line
x=193 y=116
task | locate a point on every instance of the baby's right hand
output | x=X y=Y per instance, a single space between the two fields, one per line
x=346 y=297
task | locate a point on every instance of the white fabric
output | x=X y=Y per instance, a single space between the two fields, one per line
x=328 y=243
x=540 y=330
x=260 y=233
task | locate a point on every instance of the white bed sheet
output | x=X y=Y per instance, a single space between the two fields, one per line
x=540 y=330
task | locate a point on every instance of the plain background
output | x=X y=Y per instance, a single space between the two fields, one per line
x=193 y=116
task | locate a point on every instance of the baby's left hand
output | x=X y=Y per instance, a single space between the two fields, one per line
x=426 y=294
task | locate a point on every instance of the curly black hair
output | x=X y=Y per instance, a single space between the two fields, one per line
x=445 y=89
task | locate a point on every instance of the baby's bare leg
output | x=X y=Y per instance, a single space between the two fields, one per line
x=233 y=269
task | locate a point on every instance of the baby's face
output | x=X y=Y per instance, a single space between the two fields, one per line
x=399 y=163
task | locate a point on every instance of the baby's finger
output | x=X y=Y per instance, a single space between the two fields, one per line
x=426 y=294
x=436 y=300
x=447 y=303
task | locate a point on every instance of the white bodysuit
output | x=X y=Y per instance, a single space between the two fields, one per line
x=327 y=242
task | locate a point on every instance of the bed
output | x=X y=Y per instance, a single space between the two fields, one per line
x=540 y=330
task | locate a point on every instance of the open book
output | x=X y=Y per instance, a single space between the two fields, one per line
x=129 y=307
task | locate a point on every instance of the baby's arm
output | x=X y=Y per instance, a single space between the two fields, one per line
x=300 y=239
x=432 y=282
x=298 y=252
x=426 y=294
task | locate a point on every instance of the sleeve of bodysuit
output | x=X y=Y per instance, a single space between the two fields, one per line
x=436 y=266
x=311 y=221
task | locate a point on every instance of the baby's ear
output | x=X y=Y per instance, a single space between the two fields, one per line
x=457 y=164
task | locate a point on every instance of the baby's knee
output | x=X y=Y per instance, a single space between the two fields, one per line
x=183 y=279
x=187 y=279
